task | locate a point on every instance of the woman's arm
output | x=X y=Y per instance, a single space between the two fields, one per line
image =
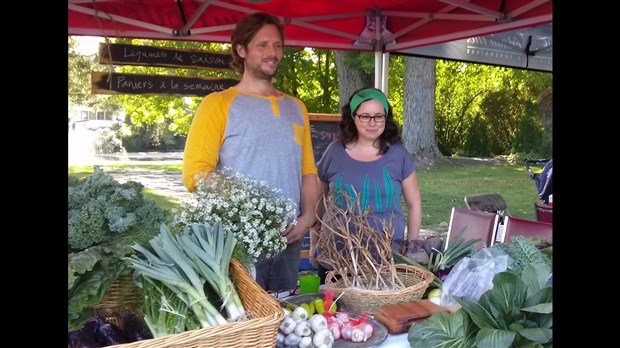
x=411 y=192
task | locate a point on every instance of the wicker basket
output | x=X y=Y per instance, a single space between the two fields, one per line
x=259 y=331
x=122 y=297
x=416 y=282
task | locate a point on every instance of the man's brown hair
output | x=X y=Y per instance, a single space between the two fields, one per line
x=246 y=30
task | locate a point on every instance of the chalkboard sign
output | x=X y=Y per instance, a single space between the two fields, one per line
x=323 y=130
x=164 y=57
x=158 y=84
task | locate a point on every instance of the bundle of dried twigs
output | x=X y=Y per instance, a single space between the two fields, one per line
x=359 y=253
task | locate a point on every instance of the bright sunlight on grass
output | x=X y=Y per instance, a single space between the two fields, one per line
x=445 y=187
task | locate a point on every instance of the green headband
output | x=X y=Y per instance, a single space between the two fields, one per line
x=366 y=94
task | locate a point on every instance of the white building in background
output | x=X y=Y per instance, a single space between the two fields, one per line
x=88 y=118
x=83 y=125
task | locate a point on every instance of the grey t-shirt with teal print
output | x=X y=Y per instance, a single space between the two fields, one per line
x=378 y=183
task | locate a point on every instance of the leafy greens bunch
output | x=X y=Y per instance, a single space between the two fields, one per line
x=185 y=263
x=103 y=210
x=253 y=211
x=104 y=219
x=516 y=312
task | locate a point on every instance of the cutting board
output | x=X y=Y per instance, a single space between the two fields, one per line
x=399 y=317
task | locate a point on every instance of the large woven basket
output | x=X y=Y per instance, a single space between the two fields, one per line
x=259 y=331
x=415 y=279
x=121 y=297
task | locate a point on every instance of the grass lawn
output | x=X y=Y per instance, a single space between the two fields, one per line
x=445 y=187
x=442 y=188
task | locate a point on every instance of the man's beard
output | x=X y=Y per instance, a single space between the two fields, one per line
x=258 y=72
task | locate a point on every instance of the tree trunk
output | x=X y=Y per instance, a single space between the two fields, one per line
x=349 y=80
x=419 y=109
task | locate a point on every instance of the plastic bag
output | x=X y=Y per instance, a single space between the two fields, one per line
x=472 y=276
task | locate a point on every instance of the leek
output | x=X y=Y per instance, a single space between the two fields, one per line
x=164 y=312
x=211 y=250
x=170 y=265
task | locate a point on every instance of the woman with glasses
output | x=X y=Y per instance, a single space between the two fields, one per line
x=369 y=163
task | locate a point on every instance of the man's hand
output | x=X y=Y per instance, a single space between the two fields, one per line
x=298 y=231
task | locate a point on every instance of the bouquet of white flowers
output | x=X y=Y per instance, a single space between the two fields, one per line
x=254 y=212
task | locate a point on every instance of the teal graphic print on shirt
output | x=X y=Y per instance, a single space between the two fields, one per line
x=389 y=188
x=338 y=189
x=378 y=194
x=365 y=196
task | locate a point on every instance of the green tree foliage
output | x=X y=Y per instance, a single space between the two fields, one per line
x=310 y=75
x=497 y=94
x=395 y=87
x=150 y=137
x=477 y=140
x=503 y=109
x=79 y=87
x=174 y=112
x=464 y=92
x=305 y=73
x=530 y=138
x=459 y=90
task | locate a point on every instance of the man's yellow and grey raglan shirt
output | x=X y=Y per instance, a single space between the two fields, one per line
x=267 y=138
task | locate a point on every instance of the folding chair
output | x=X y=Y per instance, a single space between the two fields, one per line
x=527 y=228
x=489 y=202
x=474 y=224
x=544 y=212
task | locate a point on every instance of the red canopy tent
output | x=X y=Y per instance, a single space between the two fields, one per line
x=328 y=24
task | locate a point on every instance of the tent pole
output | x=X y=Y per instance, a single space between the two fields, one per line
x=379 y=70
x=385 y=68
x=378 y=45
x=382 y=66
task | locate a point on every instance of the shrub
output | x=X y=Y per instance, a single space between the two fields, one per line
x=529 y=135
x=107 y=142
x=477 y=141
x=152 y=137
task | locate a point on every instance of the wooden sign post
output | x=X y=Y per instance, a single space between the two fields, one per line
x=164 y=57
x=153 y=84
x=143 y=84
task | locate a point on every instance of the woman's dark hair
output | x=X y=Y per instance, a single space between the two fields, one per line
x=348 y=130
x=245 y=31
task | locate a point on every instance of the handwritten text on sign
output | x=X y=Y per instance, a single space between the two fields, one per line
x=158 y=84
x=164 y=57
x=323 y=130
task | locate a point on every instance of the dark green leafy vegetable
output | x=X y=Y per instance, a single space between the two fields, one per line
x=456 y=250
x=101 y=208
x=523 y=251
x=516 y=312
x=443 y=330
x=105 y=219
x=90 y=290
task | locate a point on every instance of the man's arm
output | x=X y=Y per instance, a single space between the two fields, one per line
x=309 y=197
x=204 y=141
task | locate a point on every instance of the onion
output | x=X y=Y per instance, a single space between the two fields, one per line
x=435 y=296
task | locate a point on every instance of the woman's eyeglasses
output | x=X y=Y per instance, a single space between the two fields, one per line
x=365 y=118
